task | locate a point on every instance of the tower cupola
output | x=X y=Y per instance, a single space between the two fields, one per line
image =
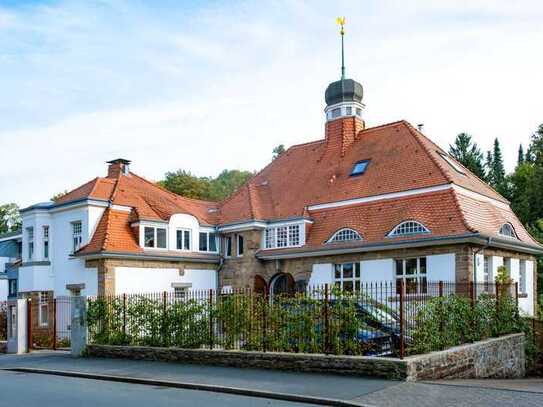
x=344 y=97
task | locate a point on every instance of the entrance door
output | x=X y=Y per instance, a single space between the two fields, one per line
x=282 y=284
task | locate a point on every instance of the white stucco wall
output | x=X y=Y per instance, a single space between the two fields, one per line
x=321 y=274
x=497 y=261
x=480 y=268
x=514 y=272
x=527 y=304
x=183 y=221
x=132 y=280
x=377 y=270
x=441 y=267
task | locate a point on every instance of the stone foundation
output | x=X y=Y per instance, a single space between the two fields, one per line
x=497 y=357
x=492 y=358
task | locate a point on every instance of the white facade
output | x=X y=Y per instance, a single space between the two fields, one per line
x=3 y=289
x=133 y=280
x=54 y=270
x=439 y=267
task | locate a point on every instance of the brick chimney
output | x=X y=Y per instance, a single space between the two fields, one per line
x=118 y=167
x=341 y=133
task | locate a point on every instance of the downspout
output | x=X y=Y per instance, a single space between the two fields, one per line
x=475 y=253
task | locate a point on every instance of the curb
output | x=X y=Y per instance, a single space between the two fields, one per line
x=193 y=386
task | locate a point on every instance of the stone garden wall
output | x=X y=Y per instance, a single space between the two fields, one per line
x=496 y=357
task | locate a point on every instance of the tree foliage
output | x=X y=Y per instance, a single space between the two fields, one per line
x=496 y=170
x=59 y=195
x=277 y=151
x=10 y=218
x=207 y=188
x=468 y=154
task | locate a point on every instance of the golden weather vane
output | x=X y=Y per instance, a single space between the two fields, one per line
x=341 y=22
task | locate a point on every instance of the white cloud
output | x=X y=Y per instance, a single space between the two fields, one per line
x=218 y=86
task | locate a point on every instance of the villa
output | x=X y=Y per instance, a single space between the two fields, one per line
x=360 y=205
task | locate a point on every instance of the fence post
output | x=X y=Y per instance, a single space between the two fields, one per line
x=164 y=298
x=210 y=305
x=402 y=341
x=516 y=293
x=29 y=324
x=441 y=313
x=326 y=319
x=264 y=321
x=124 y=315
x=78 y=332
x=54 y=324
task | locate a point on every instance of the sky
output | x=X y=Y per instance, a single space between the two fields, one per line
x=209 y=85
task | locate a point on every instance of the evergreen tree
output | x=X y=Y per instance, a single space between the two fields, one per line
x=488 y=165
x=468 y=154
x=520 y=159
x=496 y=171
x=10 y=218
x=277 y=151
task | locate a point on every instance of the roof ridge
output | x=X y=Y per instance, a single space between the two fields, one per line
x=390 y=124
x=322 y=140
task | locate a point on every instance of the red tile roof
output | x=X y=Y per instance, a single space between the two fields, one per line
x=400 y=159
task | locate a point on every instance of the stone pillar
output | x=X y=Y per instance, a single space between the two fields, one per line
x=78 y=335
x=17 y=326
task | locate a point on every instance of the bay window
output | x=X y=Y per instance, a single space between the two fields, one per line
x=282 y=236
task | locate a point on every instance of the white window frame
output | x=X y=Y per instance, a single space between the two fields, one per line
x=345 y=235
x=417 y=228
x=421 y=278
x=77 y=235
x=43 y=309
x=46 y=242
x=228 y=246
x=355 y=280
x=155 y=237
x=239 y=253
x=487 y=272
x=183 y=232
x=522 y=286
x=282 y=236
x=30 y=242
x=507 y=230
x=209 y=233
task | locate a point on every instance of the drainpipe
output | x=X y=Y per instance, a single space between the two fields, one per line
x=475 y=253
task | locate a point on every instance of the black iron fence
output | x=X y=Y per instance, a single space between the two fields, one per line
x=387 y=318
x=3 y=320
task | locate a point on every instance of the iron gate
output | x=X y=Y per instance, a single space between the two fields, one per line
x=48 y=320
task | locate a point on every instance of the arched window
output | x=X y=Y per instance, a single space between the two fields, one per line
x=407 y=228
x=344 y=235
x=507 y=230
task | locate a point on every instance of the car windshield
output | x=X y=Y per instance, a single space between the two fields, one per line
x=378 y=313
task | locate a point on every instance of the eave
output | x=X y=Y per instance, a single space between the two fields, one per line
x=473 y=238
x=211 y=259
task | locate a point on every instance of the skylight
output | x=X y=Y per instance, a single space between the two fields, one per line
x=452 y=163
x=360 y=167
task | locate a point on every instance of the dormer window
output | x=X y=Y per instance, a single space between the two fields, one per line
x=345 y=235
x=507 y=230
x=359 y=167
x=208 y=242
x=154 y=237
x=409 y=228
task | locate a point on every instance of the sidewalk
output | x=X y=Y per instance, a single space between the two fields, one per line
x=343 y=389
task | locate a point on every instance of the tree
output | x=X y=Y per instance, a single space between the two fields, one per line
x=227 y=182
x=10 y=218
x=468 y=154
x=184 y=183
x=277 y=151
x=59 y=195
x=496 y=170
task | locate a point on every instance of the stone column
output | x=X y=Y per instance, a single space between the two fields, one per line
x=78 y=335
x=17 y=326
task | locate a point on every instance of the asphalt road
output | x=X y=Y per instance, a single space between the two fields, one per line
x=29 y=390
